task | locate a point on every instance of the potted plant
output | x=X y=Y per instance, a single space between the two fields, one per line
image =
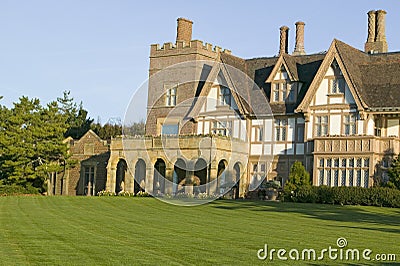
x=271 y=188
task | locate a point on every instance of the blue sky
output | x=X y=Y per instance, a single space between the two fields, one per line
x=99 y=50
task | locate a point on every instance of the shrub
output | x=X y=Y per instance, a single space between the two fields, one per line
x=298 y=185
x=376 y=196
x=126 y=194
x=105 y=193
x=13 y=189
x=142 y=194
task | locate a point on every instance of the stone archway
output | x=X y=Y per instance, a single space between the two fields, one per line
x=159 y=177
x=140 y=176
x=120 y=176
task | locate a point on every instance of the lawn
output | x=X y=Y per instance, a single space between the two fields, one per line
x=117 y=230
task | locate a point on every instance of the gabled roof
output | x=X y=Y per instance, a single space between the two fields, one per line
x=303 y=68
x=340 y=52
x=290 y=65
x=374 y=80
x=226 y=74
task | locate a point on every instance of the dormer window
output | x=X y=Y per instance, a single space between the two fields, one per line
x=337 y=85
x=224 y=96
x=283 y=91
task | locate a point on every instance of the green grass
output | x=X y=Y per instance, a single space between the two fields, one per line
x=116 y=230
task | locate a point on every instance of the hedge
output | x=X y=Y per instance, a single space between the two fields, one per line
x=375 y=196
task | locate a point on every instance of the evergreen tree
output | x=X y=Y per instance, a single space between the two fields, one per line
x=31 y=142
x=107 y=131
x=394 y=173
x=298 y=178
x=77 y=121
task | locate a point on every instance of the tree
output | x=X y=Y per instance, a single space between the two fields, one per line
x=299 y=179
x=136 y=128
x=31 y=142
x=107 y=131
x=394 y=173
x=77 y=121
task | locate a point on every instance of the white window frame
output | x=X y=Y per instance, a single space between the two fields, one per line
x=350 y=124
x=170 y=97
x=320 y=126
x=280 y=129
x=223 y=128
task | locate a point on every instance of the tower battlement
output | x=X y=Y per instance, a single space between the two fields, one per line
x=181 y=47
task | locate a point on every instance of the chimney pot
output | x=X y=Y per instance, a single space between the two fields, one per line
x=376 y=40
x=299 y=46
x=380 y=26
x=184 y=30
x=284 y=37
x=371 y=26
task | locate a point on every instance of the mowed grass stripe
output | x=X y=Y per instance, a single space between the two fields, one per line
x=115 y=230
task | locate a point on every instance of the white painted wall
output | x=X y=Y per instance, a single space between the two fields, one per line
x=360 y=127
x=393 y=127
x=236 y=126
x=269 y=128
x=256 y=149
x=200 y=127
x=335 y=124
x=279 y=149
x=321 y=97
x=309 y=126
x=370 y=127
x=243 y=130
x=267 y=149
x=207 y=127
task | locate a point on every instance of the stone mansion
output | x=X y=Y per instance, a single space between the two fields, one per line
x=338 y=112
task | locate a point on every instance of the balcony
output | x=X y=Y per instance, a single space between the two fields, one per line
x=356 y=145
x=180 y=142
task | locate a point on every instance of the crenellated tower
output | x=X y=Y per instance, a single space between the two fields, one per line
x=169 y=87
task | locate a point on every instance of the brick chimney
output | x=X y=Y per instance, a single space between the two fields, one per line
x=184 y=30
x=376 y=40
x=299 y=46
x=283 y=41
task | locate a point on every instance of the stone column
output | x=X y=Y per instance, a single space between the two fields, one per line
x=129 y=181
x=149 y=179
x=168 y=186
x=299 y=46
x=212 y=185
x=283 y=41
x=111 y=176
